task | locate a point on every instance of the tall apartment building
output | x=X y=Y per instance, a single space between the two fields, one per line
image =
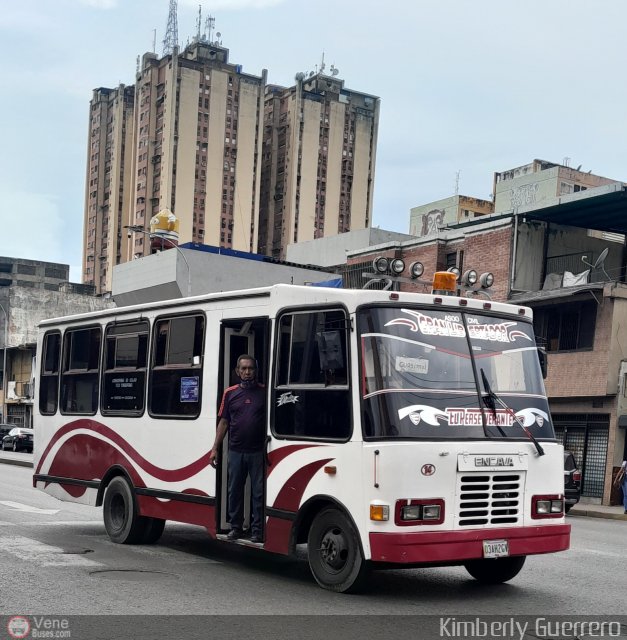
x=318 y=163
x=197 y=143
x=189 y=136
x=107 y=183
x=186 y=138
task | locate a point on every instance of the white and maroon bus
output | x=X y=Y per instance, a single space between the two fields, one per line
x=403 y=429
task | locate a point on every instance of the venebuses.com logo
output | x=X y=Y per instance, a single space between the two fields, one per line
x=18 y=627
x=38 y=627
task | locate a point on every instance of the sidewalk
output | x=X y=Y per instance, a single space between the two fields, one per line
x=580 y=509
x=598 y=511
x=16 y=459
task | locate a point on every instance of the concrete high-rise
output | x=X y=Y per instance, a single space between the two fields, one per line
x=108 y=191
x=186 y=138
x=243 y=165
x=317 y=168
x=197 y=143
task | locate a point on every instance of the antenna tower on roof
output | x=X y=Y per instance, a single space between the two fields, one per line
x=210 y=24
x=171 y=40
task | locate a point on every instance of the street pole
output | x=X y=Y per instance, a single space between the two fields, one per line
x=137 y=229
x=4 y=364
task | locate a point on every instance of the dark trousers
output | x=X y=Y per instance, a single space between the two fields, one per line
x=240 y=466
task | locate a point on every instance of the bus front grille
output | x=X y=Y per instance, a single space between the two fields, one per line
x=489 y=499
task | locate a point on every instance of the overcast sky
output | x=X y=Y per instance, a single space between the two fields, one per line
x=465 y=86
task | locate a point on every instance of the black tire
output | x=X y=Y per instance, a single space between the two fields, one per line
x=495 y=570
x=121 y=516
x=334 y=551
x=154 y=529
x=567 y=508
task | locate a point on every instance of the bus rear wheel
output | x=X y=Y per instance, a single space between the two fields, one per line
x=335 y=557
x=122 y=521
x=495 y=570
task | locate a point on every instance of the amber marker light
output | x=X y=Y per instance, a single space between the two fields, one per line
x=379 y=512
x=444 y=282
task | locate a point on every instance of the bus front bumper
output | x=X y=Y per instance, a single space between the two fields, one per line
x=451 y=546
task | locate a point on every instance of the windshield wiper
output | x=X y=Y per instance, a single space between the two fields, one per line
x=491 y=399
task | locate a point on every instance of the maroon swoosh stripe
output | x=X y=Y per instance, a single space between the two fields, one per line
x=275 y=456
x=292 y=491
x=167 y=475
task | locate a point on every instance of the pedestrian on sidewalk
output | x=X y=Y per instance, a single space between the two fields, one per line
x=621 y=480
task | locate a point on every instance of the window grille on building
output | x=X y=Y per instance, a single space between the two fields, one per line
x=586 y=436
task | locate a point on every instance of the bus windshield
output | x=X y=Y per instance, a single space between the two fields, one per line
x=418 y=378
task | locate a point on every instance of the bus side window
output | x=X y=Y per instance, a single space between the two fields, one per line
x=176 y=367
x=124 y=370
x=80 y=372
x=49 y=376
x=311 y=393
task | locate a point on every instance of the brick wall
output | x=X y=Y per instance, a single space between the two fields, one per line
x=486 y=251
x=583 y=373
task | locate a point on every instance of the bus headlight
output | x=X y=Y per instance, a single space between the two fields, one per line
x=551 y=506
x=419 y=511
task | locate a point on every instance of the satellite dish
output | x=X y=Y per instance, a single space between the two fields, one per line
x=601 y=259
x=599 y=262
x=218 y=34
x=311 y=73
x=335 y=72
x=299 y=77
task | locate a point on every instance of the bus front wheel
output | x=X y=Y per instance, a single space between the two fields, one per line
x=335 y=557
x=122 y=521
x=495 y=570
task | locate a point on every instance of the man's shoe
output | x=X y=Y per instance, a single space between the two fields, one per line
x=234 y=534
x=256 y=539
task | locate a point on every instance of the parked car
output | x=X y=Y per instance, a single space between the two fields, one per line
x=572 y=480
x=18 y=439
x=5 y=428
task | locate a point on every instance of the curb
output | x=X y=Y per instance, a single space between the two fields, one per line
x=597 y=514
x=16 y=462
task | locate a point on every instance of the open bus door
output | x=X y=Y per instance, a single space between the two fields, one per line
x=239 y=337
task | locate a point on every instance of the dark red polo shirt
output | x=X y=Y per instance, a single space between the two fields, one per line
x=244 y=410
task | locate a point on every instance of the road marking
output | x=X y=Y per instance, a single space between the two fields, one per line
x=42 y=554
x=18 y=506
x=64 y=523
x=597 y=552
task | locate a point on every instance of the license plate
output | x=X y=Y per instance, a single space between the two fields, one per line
x=495 y=548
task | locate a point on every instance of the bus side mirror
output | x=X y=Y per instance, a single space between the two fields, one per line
x=543 y=361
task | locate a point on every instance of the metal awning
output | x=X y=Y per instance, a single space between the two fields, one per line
x=605 y=211
x=529 y=297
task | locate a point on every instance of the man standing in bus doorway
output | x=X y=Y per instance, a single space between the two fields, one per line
x=242 y=413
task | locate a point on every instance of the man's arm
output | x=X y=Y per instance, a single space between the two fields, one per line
x=223 y=425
